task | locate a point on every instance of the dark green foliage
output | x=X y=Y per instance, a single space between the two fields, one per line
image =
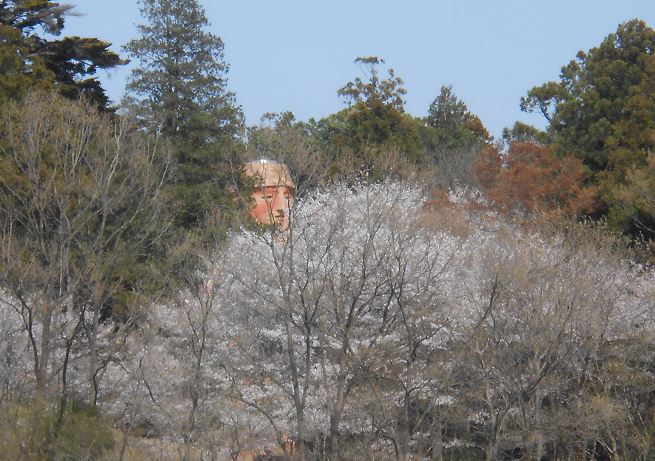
x=453 y=138
x=455 y=126
x=374 y=131
x=374 y=137
x=374 y=117
x=181 y=79
x=447 y=110
x=603 y=111
x=602 y=99
x=179 y=91
x=30 y=60
x=388 y=91
x=524 y=133
x=373 y=127
x=17 y=73
x=99 y=188
x=73 y=62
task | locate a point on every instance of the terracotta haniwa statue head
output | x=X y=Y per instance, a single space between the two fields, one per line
x=273 y=194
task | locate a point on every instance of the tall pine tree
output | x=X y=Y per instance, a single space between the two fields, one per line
x=180 y=92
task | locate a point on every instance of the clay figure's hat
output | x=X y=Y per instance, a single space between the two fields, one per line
x=269 y=173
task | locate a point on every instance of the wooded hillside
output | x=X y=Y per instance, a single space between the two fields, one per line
x=438 y=294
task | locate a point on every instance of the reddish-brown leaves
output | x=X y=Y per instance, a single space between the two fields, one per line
x=530 y=177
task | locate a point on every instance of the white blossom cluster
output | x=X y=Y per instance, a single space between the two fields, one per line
x=372 y=322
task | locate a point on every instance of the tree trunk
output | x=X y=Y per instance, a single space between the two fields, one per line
x=64 y=388
x=437 y=441
x=300 y=418
x=333 y=446
x=124 y=441
x=335 y=418
x=491 y=450
x=93 y=357
x=42 y=369
x=402 y=433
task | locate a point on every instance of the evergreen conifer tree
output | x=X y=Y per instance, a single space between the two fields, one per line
x=30 y=60
x=180 y=92
x=455 y=126
x=602 y=110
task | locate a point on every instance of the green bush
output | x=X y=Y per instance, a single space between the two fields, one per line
x=33 y=432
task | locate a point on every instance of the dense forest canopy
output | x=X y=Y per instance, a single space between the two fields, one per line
x=603 y=112
x=438 y=295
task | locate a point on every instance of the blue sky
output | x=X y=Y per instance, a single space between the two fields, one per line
x=295 y=54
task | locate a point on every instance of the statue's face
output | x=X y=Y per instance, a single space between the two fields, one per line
x=272 y=205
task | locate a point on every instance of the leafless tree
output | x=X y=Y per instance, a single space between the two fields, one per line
x=80 y=199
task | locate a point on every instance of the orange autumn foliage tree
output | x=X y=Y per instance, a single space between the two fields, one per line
x=530 y=177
